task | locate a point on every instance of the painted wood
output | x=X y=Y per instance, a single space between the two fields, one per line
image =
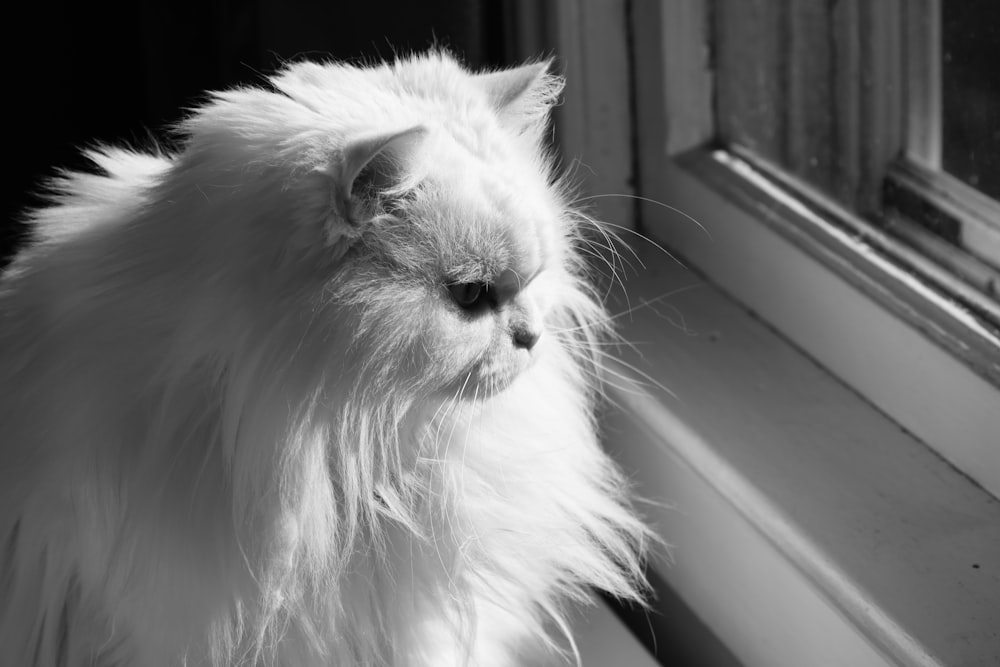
x=765 y=610
x=653 y=88
x=671 y=632
x=807 y=528
x=673 y=83
x=688 y=82
x=950 y=209
x=603 y=641
x=956 y=215
x=879 y=92
x=911 y=283
x=594 y=123
x=751 y=79
x=923 y=81
x=843 y=318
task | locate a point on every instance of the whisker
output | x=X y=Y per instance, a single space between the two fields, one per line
x=616 y=257
x=635 y=369
x=612 y=241
x=607 y=230
x=647 y=240
x=632 y=309
x=610 y=264
x=597 y=343
x=650 y=201
x=602 y=373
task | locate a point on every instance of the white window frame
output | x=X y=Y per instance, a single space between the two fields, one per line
x=974 y=216
x=753 y=552
x=918 y=335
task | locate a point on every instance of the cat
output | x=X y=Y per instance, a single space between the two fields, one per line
x=316 y=388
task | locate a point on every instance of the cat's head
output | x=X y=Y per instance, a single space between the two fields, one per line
x=412 y=208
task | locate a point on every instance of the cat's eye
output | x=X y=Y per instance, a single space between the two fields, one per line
x=470 y=295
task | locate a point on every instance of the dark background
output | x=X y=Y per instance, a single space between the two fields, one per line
x=79 y=73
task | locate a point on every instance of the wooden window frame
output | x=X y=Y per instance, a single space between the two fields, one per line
x=898 y=304
x=947 y=221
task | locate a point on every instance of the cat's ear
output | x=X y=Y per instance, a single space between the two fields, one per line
x=522 y=96
x=367 y=167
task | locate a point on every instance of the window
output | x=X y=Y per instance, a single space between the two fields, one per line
x=823 y=122
x=877 y=106
x=939 y=196
x=832 y=448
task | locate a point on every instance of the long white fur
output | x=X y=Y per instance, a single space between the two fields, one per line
x=236 y=428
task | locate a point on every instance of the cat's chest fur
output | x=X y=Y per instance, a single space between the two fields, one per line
x=498 y=525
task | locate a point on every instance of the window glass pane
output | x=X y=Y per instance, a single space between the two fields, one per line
x=809 y=86
x=970 y=34
x=776 y=90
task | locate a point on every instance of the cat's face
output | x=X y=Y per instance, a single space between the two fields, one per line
x=464 y=277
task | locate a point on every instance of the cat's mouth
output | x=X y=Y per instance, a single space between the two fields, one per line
x=493 y=376
x=476 y=386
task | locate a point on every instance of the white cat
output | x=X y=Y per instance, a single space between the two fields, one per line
x=317 y=389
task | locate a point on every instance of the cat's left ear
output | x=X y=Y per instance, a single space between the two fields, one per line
x=522 y=96
x=364 y=169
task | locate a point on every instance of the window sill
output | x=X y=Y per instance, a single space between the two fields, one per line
x=821 y=280
x=604 y=641
x=808 y=528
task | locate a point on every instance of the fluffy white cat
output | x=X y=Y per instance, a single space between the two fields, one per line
x=317 y=389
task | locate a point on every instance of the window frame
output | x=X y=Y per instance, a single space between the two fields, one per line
x=943 y=218
x=866 y=299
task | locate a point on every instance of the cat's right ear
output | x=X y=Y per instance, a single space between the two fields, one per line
x=363 y=171
x=522 y=96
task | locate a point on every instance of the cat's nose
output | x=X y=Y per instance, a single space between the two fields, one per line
x=525 y=321
x=526 y=337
